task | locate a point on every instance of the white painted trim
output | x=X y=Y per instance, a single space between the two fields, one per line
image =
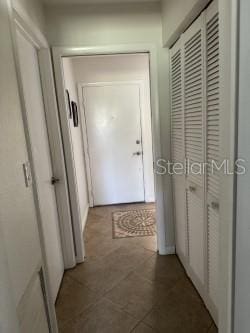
x=85 y=217
x=145 y=123
x=169 y=250
x=59 y=52
x=20 y=21
x=57 y=158
x=228 y=22
x=85 y=145
x=69 y=160
x=26 y=24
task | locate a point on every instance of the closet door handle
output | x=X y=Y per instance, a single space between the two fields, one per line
x=137 y=153
x=192 y=188
x=54 y=180
x=215 y=205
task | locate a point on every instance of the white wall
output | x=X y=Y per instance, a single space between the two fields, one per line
x=77 y=143
x=92 y=25
x=177 y=15
x=116 y=68
x=34 y=10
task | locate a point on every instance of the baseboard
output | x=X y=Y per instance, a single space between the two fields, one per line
x=167 y=250
x=149 y=199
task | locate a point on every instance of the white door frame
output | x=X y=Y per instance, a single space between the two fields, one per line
x=20 y=21
x=58 y=54
x=145 y=123
x=228 y=39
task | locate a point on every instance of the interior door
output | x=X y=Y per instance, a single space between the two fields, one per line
x=193 y=53
x=33 y=100
x=213 y=149
x=178 y=149
x=113 y=123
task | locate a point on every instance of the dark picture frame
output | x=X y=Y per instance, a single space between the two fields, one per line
x=75 y=113
x=69 y=103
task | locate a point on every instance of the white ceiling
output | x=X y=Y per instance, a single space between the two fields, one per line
x=70 y=2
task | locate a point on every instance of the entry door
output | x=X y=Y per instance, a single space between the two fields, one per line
x=33 y=100
x=113 y=122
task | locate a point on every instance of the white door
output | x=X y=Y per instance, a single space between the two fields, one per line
x=193 y=72
x=113 y=123
x=41 y=159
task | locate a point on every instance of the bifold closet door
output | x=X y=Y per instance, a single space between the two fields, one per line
x=193 y=54
x=195 y=138
x=212 y=148
x=178 y=149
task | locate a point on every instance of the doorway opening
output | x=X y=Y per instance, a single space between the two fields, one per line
x=109 y=118
x=108 y=113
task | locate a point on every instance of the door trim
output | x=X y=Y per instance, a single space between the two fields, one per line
x=145 y=122
x=59 y=53
x=57 y=158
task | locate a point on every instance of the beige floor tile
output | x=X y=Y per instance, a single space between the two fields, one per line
x=135 y=295
x=73 y=299
x=180 y=310
x=213 y=329
x=104 y=317
x=142 y=328
x=164 y=269
x=124 y=286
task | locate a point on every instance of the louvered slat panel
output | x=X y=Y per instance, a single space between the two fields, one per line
x=213 y=253
x=212 y=41
x=177 y=108
x=177 y=147
x=212 y=152
x=193 y=76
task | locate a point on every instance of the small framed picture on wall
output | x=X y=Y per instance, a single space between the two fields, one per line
x=74 y=113
x=69 y=103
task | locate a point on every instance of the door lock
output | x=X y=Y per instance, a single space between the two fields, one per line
x=138 y=153
x=54 y=180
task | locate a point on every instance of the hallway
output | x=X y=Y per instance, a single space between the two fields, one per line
x=124 y=286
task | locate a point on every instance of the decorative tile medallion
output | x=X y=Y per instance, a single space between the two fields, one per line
x=134 y=223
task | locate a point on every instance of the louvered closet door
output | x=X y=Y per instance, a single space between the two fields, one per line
x=178 y=155
x=194 y=146
x=212 y=147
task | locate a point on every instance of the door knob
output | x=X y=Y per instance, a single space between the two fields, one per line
x=54 y=180
x=192 y=188
x=215 y=205
x=138 y=153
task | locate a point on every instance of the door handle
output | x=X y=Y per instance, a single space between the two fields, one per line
x=215 y=205
x=54 y=180
x=192 y=188
x=138 y=153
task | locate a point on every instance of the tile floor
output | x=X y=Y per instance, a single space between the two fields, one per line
x=124 y=286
